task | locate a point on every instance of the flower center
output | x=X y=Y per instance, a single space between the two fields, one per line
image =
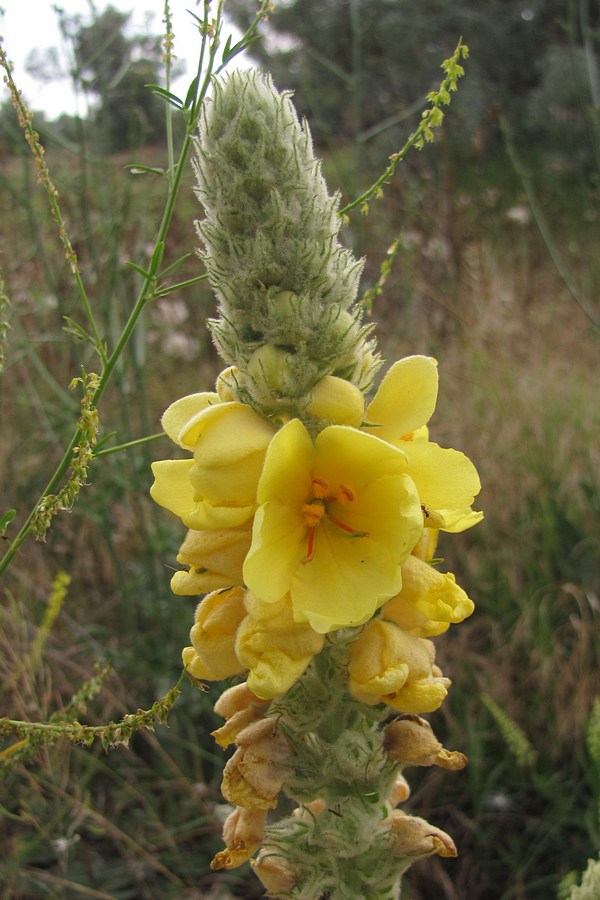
x=314 y=511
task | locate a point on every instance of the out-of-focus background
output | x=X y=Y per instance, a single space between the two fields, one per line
x=497 y=275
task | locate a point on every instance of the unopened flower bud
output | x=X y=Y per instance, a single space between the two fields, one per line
x=268 y=367
x=336 y=400
x=226 y=385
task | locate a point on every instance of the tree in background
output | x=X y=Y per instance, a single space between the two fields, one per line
x=516 y=49
x=113 y=68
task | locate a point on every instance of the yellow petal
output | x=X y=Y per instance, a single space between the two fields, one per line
x=456 y=520
x=278 y=547
x=273 y=647
x=383 y=653
x=178 y=414
x=172 y=487
x=347 y=456
x=213 y=634
x=286 y=474
x=345 y=581
x=435 y=594
x=444 y=478
x=228 y=431
x=406 y=398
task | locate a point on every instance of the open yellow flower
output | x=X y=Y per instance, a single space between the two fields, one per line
x=446 y=479
x=216 y=489
x=336 y=520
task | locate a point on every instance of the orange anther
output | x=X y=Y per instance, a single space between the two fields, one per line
x=312 y=513
x=320 y=488
x=345 y=494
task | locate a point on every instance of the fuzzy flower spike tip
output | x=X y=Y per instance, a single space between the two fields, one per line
x=313 y=506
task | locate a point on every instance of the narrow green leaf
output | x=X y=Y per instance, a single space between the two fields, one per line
x=6 y=520
x=156 y=259
x=239 y=48
x=77 y=330
x=136 y=169
x=175 y=265
x=173 y=99
x=191 y=94
x=137 y=268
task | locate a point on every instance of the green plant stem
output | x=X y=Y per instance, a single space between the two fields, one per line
x=129 y=444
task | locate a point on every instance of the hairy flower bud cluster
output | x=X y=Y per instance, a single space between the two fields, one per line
x=285 y=285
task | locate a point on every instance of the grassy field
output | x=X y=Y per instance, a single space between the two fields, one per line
x=473 y=285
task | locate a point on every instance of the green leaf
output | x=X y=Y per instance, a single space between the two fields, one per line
x=173 y=99
x=136 y=169
x=6 y=520
x=191 y=94
x=78 y=331
x=175 y=265
x=156 y=259
x=137 y=268
x=229 y=52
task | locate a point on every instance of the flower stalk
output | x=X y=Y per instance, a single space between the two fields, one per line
x=314 y=511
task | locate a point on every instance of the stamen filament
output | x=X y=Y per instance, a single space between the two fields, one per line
x=347 y=528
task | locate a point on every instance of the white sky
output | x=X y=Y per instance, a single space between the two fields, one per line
x=28 y=25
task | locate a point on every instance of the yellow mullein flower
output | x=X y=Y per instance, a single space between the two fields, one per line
x=428 y=602
x=212 y=654
x=215 y=559
x=335 y=521
x=217 y=488
x=446 y=480
x=274 y=647
x=387 y=665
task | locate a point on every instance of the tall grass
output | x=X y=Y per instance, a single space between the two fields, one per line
x=518 y=360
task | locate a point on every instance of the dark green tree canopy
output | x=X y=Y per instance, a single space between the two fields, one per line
x=116 y=68
x=360 y=67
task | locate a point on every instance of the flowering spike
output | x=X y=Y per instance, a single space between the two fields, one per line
x=285 y=285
